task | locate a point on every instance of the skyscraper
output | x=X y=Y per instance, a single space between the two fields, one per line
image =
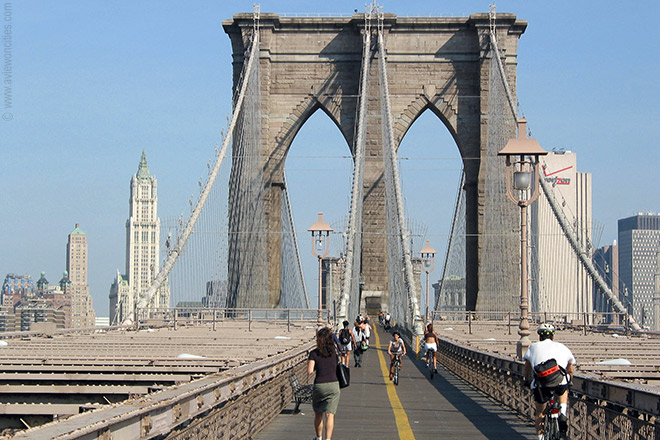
x=82 y=310
x=142 y=248
x=559 y=282
x=639 y=239
x=606 y=262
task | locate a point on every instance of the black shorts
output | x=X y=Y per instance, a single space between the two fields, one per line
x=543 y=394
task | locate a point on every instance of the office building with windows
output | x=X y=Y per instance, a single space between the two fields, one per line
x=606 y=262
x=82 y=310
x=142 y=248
x=639 y=239
x=559 y=283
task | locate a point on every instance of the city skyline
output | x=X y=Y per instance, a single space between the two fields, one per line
x=94 y=85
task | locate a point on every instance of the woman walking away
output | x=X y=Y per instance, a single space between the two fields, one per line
x=346 y=343
x=358 y=336
x=325 y=394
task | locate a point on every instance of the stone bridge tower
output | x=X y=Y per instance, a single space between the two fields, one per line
x=435 y=63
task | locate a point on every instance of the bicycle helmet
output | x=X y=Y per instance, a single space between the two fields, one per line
x=546 y=330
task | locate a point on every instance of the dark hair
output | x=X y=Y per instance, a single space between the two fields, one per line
x=325 y=342
x=546 y=335
x=396 y=333
x=429 y=327
x=345 y=324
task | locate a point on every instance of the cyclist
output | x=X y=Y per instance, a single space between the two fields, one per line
x=431 y=343
x=549 y=369
x=388 y=320
x=396 y=348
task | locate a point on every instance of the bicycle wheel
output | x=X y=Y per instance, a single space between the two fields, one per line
x=395 y=379
x=551 y=430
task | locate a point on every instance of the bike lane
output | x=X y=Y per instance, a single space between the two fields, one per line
x=417 y=409
x=364 y=411
x=446 y=407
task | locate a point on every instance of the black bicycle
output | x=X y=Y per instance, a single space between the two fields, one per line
x=396 y=369
x=551 y=423
x=429 y=362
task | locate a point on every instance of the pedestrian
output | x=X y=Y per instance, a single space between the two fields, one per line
x=346 y=342
x=359 y=336
x=367 y=331
x=325 y=393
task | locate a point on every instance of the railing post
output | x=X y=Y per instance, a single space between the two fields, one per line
x=509 y=326
x=288 y=320
x=584 y=324
x=470 y=322
x=176 y=312
x=249 y=320
x=214 y=313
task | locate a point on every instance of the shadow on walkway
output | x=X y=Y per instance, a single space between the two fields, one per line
x=445 y=408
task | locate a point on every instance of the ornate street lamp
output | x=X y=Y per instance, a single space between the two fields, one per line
x=320 y=248
x=428 y=264
x=522 y=187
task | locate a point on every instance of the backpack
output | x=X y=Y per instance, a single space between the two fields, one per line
x=345 y=336
x=548 y=374
x=360 y=338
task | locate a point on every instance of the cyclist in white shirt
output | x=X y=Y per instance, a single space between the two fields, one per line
x=395 y=348
x=549 y=369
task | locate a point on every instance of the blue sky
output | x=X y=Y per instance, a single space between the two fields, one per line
x=95 y=83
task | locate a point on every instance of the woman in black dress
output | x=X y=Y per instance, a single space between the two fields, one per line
x=325 y=395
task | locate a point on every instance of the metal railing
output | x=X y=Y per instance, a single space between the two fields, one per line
x=587 y=322
x=598 y=409
x=59 y=331
x=221 y=403
x=204 y=316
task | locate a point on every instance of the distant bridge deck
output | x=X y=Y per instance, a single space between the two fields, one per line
x=418 y=408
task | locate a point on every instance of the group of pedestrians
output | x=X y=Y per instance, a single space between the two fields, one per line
x=355 y=340
x=548 y=369
x=331 y=349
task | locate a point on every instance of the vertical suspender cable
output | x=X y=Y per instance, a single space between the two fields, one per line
x=190 y=224
x=414 y=313
x=581 y=253
x=352 y=268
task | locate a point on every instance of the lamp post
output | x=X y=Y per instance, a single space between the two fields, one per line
x=428 y=264
x=320 y=248
x=522 y=166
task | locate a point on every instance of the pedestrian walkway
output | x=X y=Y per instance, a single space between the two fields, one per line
x=373 y=408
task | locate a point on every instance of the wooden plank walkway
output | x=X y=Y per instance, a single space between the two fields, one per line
x=445 y=408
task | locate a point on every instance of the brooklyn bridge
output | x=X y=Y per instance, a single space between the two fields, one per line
x=237 y=369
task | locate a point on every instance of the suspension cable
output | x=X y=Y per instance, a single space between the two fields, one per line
x=172 y=257
x=581 y=253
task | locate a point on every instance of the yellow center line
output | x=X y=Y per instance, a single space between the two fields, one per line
x=402 y=423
